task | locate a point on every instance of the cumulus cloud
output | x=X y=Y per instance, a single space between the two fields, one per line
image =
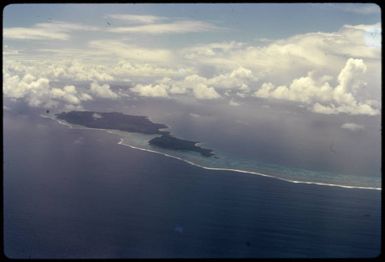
x=192 y=84
x=200 y=87
x=352 y=126
x=202 y=91
x=155 y=25
x=284 y=58
x=70 y=95
x=75 y=69
x=157 y=90
x=320 y=95
x=126 y=68
x=38 y=92
x=102 y=91
x=19 y=87
x=60 y=69
x=312 y=69
x=239 y=78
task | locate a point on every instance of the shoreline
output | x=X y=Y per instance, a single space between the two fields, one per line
x=215 y=168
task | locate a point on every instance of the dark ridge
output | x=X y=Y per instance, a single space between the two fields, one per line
x=169 y=142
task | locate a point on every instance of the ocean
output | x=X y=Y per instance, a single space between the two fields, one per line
x=80 y=193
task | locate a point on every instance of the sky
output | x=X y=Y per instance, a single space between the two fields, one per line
x=321 y=58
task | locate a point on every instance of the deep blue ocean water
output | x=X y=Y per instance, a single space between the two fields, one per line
x=76 y=193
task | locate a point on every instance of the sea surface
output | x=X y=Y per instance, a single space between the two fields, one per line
x=85 y=193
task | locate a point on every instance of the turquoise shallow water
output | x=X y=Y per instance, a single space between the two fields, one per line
x=226 y=161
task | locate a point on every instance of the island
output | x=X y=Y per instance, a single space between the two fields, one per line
x=112 y=120
x=169 y=142
x=132 y=123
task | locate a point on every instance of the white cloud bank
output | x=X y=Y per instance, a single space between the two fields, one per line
x=352 y=126
x=38 y=92
x=102 y=91
x=325 y=72
x=194 y=85
x=157 y=90
x=321 y=96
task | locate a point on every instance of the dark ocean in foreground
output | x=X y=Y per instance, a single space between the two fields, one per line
x=76 y=193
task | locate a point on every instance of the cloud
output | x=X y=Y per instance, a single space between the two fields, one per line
x=193 y=84
x=38 y=92
x=59 y=69
x=145 y=19
x=74 y=69
x=352 y=126
x=70 y=95
x=312 y=70
x=320 y=95
x=102 y=91
x=126 y=68
x=149 y=24
x=9 y=51
x=199 y=87
x=156 y=90
x=355 y=109
x=284 y=58
x=34 y=34
x=177 y=27
x=202 y=91
x=239 y=78
x=96 y=116
x=66 y=26
x=55 y=30
x=233 y=103
x=19 y=87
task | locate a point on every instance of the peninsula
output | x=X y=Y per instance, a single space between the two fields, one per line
x=131 y=123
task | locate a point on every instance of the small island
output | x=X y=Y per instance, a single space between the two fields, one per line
x=169 y=142
x=112 y=120
x=131 y=123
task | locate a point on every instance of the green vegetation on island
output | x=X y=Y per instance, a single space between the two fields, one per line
x=112 y=120
x=169 y=142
